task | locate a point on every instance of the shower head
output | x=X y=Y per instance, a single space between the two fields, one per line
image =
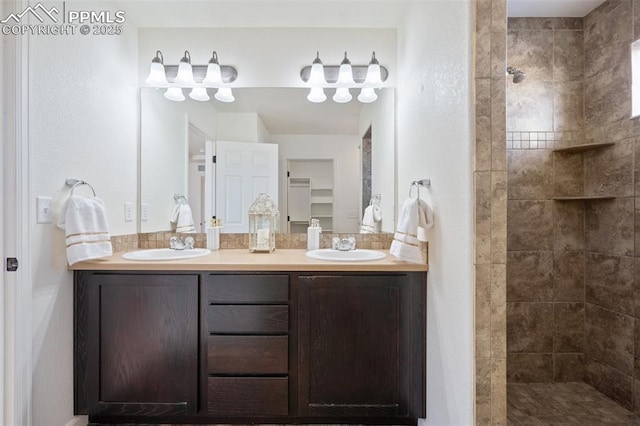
x=518 y=75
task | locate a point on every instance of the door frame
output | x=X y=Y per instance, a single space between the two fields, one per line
x=15 y=297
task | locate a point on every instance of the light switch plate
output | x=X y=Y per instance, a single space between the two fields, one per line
x=44 y=210
x=128 y=212
x=352 y=214
x=144 y=212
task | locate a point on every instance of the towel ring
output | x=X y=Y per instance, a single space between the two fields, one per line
x=414 y=184
x=73 y=183
x=418 y=184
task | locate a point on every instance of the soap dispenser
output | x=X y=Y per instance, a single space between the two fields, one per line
x=313 y=235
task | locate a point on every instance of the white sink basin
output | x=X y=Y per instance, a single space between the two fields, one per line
x=357 y=255
x=165 y=254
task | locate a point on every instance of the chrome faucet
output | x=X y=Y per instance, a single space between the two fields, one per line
x=177 y=243
x=344 y=244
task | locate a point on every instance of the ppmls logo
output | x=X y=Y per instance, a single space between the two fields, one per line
x=70 y=22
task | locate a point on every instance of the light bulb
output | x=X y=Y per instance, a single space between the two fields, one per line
x=316 y=95
x=157 y=76
x=174 y=94
x=342 y=95
x=199 y=94
x=185 y=72
x=367 y=95
x=345 y=75
x=374 y=76
x=224 y=95
x=316 y=76
x=213 y=78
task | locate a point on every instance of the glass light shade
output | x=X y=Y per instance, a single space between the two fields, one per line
x=185 y=75
x=345 y=76
x=374 y=77
x=316 y=76
x=367 y=95
x=213 y=78
x=199 y=94
x=263 y=223
x=174 y=94
x=157 y=76
x=316 y=95
x=342 y=95
x=224 y=95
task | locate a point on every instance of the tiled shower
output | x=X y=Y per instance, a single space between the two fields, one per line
x=573 y=265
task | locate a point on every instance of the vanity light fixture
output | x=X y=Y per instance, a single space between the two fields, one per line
x=198 y=78
x=343 y=78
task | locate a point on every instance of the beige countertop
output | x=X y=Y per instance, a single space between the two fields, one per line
x=243 y=260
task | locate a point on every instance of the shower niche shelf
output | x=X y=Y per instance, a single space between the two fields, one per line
x=582 y=148
x=579 y=149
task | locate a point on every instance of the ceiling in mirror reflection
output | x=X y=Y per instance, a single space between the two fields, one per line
x=287 y=111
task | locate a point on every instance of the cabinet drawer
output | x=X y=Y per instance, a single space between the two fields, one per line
x=248 y=288
x=248 y=355
x=248 y=396
x=248 y=319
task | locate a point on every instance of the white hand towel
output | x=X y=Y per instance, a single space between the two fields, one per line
x=414 y=213
x=371 y=220
x=183 y=218
x=87 y=230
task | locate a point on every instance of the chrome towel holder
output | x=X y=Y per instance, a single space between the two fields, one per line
x=73 y=183
x=426 y=183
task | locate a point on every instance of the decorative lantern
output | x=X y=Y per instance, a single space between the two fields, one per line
x=263 y=223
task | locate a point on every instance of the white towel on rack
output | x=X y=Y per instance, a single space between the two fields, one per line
x=86 y=229
x=183 y=219
x=414 y=213
x=371 y=220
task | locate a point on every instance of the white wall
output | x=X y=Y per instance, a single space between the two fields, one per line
x=343 y=149
x=258 y=55
x=240 y=127
x=435 y=141
x=383 y=156
x=83 y=123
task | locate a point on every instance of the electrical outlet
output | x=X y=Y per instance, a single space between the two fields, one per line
x=144 y=212
x=352 y=214
x=128 y=212
x=44 y=210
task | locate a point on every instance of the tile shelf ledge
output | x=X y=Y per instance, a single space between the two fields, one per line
x=581 y=148
x=585 y=198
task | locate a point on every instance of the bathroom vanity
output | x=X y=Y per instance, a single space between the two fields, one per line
x=235 y=337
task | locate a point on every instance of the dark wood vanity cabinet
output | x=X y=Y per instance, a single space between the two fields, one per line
x=203 y=347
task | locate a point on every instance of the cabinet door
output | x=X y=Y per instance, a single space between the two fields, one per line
x=354 y=346
x=137 y=343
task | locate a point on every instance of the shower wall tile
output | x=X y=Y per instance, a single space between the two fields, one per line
x=610 y=170
x=568 y=334
x=483 y=391
x=529 y=327
x=568 y=276
x=568 y=56
x=568 y=230
x=530 y=174
x=498 y=217
x=483 y=311
x=483 y=40
x=568 y=175
x=532 y=52
x=567 y=24
x=498 y=311
x=499 y=391
x=611 y=382
x=483 y=125
x=636 y=24
x=530 y=106
x=607 y=101
x=609 y=226
x=636 y=293
x=568 y=103
x=498 y=55
x=483 y=217
x=529 y=368
x=498 y=125
x=607 y=35
x=530 y=24
x=530 y=225
x=499 y=18
x=568 y=367
x=530 y=276
x=636 y=344
x=636 y=170
x=609 y=282
x=609 y=337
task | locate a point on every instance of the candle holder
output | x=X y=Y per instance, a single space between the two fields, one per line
x=263 y=223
